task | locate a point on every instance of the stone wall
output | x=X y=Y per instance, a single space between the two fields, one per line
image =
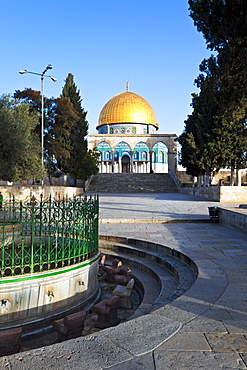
x=235 y=217
x=24 y=192
x=210 y=193
x=226 y=194
x=234 y=194
x=39 y=296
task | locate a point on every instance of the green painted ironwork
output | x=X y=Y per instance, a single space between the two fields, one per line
x=45 y=235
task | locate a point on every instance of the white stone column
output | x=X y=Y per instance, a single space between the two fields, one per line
x=131 y=161
x=112 y=161
x=206 y=180
x=101 y=163
x=150 y=161
x=119 y=164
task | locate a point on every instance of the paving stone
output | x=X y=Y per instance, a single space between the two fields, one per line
x=203 y=325
x=238 y=315
x=142 y=334
x=238 y=304
x=174 y=313
x=244 y=357
x=186 y=308
x=206 y=270
x=218 y=255
x=91 y=352
x=233 y=293
x=207 y=292
x=236 y=327
x=236 y=279
x=144 y=362
x=227 y=342
x=218 y=314
x=186 y=342
x=184 y=360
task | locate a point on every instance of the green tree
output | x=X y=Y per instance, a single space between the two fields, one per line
x=59 y=142
x=214 y=135
x=20 y=149
x=79 y=131
x=65 y=130
x=222 y=22
x=33 y=99
x=215 y=132
x=89 y=166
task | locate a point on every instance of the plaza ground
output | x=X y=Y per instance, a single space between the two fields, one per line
x=205 y=328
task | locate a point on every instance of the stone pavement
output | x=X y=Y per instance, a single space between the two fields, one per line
x=152 y=208
x=206 y=328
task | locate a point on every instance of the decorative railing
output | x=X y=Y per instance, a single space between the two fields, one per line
x=39 y=235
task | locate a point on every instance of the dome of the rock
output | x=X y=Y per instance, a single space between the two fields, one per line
x=127 y=108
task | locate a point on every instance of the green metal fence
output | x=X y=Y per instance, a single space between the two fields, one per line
x=42 y=235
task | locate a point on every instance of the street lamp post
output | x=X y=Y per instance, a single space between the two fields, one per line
x=43 y=75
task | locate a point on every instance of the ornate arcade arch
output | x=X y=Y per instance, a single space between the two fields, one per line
x=160 y=152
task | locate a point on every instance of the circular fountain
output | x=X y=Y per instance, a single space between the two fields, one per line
x=49 y=260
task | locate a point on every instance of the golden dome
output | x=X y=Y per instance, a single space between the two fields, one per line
x=127 y=107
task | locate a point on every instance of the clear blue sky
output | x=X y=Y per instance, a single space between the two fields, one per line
x=152 y=43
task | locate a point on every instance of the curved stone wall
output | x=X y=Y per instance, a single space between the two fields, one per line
x=36 y=297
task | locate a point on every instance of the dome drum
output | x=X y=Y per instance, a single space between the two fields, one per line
x=127 y=129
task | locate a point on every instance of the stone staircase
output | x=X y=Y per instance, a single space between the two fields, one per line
x=172 y=272
x=132 y=183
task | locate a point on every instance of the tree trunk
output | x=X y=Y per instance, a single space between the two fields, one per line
x=238 y=177
x=232 y=177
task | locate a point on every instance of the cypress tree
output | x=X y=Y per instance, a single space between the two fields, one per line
x=79 y=131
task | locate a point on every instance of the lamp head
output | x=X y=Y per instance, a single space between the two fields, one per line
x=54 y=79
x=49 y=66
x=21 y=71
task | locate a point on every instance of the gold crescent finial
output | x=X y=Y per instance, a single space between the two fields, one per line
x=127 y=85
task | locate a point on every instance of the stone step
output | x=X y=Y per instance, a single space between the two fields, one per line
x=132 y=183
x=163 y=282
x=174 y=272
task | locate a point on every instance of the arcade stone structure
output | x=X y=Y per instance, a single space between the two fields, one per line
x=127 y=140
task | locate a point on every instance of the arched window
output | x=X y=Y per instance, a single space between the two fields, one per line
x=144 y=156
x=104 y=149
x=141 y=151
x=161 y=157
x=160 y=152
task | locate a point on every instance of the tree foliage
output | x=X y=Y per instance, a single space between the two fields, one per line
x=33 y=99
x=79 y=130
x=59 y=136
x=65 y=128
x=89 y=165
x=20 y=150
x=222 y=22
x=215 y=132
